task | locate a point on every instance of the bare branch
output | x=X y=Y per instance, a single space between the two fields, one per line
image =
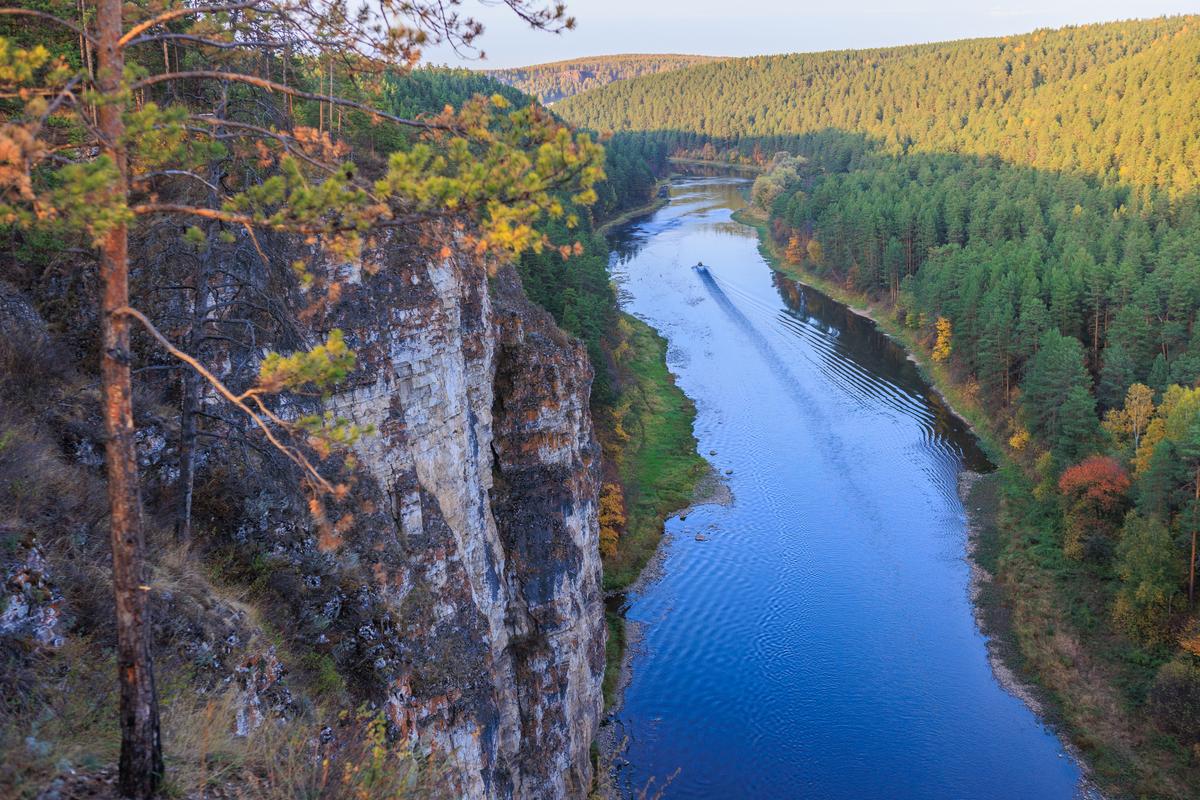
x=25 y=12
x=206 y=42
x=27 y=93
x=297 y=457
x=272 y=86
x=196 y=211
x=181 y=172
x=257 y=246
x=176 y=13
x=64 y=94
x=226 y=216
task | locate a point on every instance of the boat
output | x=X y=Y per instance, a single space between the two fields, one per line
x=699 y=267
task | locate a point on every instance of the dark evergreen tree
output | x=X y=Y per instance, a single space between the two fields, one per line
x=1056 y=396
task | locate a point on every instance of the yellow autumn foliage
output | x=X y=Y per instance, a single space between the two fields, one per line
x=795 y=250
x=1156 y=431
x=941 y=349
x=816 y=254
x=1020 y=439
x=612 y=518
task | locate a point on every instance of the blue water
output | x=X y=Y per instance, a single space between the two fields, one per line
x=821 y=642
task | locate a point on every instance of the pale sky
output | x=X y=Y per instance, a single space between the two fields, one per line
x=749 y=27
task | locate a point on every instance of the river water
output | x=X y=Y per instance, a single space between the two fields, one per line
x=820 y=641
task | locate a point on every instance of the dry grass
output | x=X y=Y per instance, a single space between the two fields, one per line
x=58 y=712
x=357 y=763
x=281 y=760
x=604 y=784
x=296 y=759
x=58 y=718
x=201 y=749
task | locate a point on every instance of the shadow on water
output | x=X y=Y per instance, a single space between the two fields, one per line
x=860 y=339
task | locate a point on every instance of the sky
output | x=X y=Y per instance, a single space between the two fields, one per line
x=750 y=27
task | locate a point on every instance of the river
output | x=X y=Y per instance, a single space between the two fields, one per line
x=818 y=640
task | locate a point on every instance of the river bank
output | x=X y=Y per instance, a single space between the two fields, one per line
x=936 y=375
x=651 y=452
x=725 y=165
x=662 y=474
x=1078 y=679
x=981 y=496
x=649 y=448
x=709 y=490
x=979 y=492
x=649 y=208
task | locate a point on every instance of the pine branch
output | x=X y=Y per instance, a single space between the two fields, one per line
x=26 y=12
x=176 y=13
x=272 y=86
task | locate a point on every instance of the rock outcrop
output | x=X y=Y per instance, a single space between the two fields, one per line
x=30 y=602
x=480 y=563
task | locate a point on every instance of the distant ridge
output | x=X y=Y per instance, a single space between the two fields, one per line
x=557 y=80
x=1116 y=100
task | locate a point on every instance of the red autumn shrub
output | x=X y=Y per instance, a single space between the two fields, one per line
x=1095 y=498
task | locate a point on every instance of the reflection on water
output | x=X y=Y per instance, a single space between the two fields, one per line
x=819 y=641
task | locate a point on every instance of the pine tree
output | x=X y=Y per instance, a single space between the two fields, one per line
x=994 y=362
x=1117 y=374
x=1160 y=374
x=1056 y=397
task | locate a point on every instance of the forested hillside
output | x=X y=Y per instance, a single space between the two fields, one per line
x=552 y=82
x=1112 y=100
x=1027 y=209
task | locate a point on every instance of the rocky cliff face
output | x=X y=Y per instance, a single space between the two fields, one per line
x=461 y=596
x=485 y=639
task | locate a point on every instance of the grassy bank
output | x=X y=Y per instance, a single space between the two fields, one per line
x=650 y=452
x=649 y=208
x=1047 y=613
x=649 y=442
x=614 y=656
x=701 y=162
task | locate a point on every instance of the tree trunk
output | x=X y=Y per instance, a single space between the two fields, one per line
x=1192 y=563
x=1192 y=573
x=191 y=387
x=1007 y=380
x=85 y=53
x=188 y=407
x=141 y=749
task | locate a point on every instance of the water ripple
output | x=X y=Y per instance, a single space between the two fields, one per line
x=819 y=642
